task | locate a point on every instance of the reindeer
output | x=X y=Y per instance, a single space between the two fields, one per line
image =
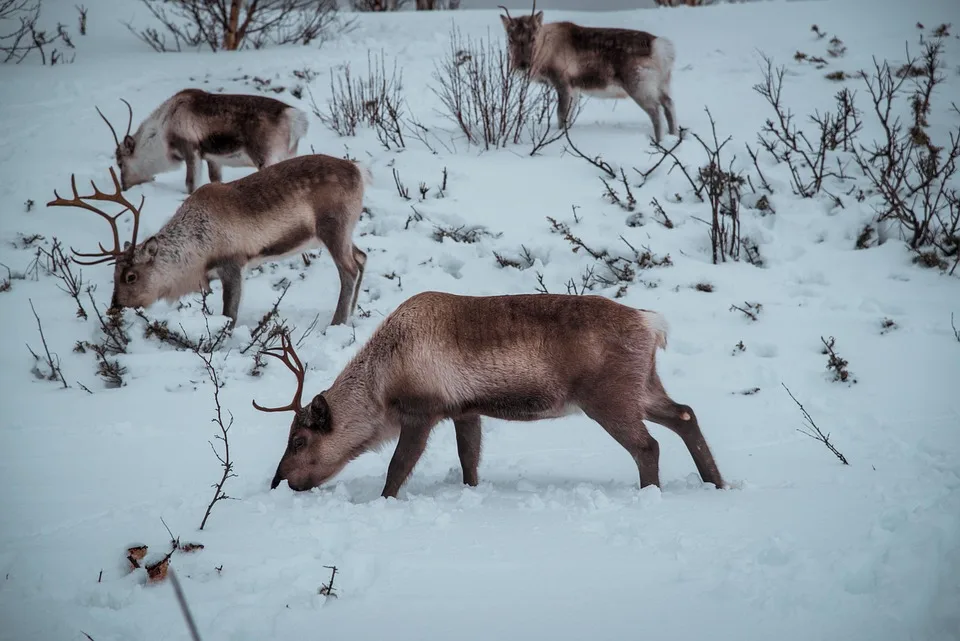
x=605 y=63
x=513 y=357
x=223 y=129
x=222 y=228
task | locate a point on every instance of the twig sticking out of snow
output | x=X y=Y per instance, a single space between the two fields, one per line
x=814 y=432
x=184 y=608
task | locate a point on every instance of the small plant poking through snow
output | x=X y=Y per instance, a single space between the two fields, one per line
x=887 y=325
x=835 y=363
x=750 y=310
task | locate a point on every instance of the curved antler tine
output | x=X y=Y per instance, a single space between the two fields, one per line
x=505 y=10
x=112 y=130
x=130 y=111
x=288 y=356
x=136 y=219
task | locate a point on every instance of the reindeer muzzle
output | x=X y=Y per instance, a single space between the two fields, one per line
x=277 y=479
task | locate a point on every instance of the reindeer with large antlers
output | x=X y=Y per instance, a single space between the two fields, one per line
x=193 y=125
x=223 y=228
x=515 y=358
x=600 y=62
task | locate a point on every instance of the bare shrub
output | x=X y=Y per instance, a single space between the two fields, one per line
x=492 y=106
x=52 y=361
x=722 y=189
x=23 y=37
x=377 y=5
x=224 y=425
x=230 y=25
x=913 y=176
x=811 y=162
x=375 y=100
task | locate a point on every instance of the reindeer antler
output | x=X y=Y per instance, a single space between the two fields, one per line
x=288 y=356
x=104 y=254
x=505 y=10
x=112 y=130
x=534 y=10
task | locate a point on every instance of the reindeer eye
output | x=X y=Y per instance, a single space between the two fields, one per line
x=298 y=444
x=130 y=278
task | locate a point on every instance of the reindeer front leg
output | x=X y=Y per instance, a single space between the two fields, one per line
x=214 y=171
x=231 y=277
x=564 y=101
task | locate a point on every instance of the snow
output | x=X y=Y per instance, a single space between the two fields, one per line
x=557 y=541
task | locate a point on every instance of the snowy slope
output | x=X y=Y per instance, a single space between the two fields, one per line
x=557 y=542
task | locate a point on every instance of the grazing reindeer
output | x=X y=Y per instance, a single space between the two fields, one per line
x=222 y=228
x=515 y=358
x=223 y=129
x=606 y=63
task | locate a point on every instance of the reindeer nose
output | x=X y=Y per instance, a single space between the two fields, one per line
x=276 y=480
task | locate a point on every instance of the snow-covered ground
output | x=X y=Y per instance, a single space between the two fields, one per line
x=557 y=542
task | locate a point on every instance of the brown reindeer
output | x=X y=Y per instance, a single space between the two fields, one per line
x=223 y=129
x=600 y=62
x=515 y=358
x=223 y=228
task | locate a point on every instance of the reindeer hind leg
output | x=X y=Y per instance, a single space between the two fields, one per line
x=623 y=420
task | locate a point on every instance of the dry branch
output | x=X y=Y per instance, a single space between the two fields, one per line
x=814 y=432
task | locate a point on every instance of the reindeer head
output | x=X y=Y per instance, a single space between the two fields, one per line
x=130 y=175
x=132 y=285
x=136 y=282
x=315 y=451
x=521 y=36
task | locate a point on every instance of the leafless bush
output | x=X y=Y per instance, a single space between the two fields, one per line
x=225 y=462
x=722 y=189
x=616 y=269
x=463 y=233
x=687 y=3
x=52 y=361
x=490 y=105
x=81 y=19
x=438 y=5
x=913 y=176
x=25 y=37
x=813 y=431
x=811 y=163
x=956 y=332
x=375 y=100
x=113 y=340
x=377 y=5
x=230 y=25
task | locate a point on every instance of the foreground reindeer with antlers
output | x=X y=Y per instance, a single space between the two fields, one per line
x=223 y=129
x=222 y=228
x=605 y=63
x=516 y=358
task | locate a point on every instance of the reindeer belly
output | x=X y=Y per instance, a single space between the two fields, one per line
x=613 y=92
x=225 y=149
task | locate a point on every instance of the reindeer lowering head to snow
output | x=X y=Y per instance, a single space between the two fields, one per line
x=514 y=357
x=223 y=129
x=600 y=62
x=222 y=228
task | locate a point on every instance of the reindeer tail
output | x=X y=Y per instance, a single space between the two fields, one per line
x=365 y=172
x=665 y=54
x=658 y=325
x=299 y=124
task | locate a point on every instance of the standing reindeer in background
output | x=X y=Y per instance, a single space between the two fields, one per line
x=520 y=357
x=600 y=62
x=222 y=228
x=222 y=129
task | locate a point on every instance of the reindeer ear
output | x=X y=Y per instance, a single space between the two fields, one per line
x=506 y=21
x=129 y=143
x=150 y=249
x=320 y=412
x=538 y=18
